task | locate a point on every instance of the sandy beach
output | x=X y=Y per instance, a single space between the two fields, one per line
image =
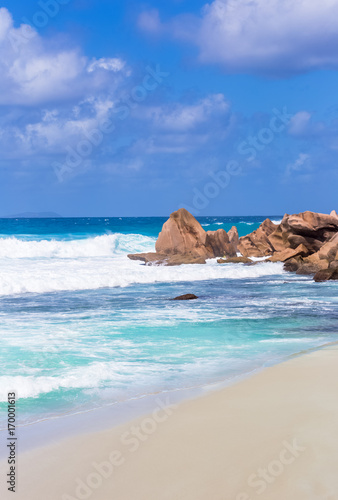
x=272 y=436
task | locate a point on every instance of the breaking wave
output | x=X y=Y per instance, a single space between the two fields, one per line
x=100 y=262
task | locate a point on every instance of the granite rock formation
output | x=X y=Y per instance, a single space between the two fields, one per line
x=306 y=242
x=184 y=241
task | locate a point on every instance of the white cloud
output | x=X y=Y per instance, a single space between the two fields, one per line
x=300 y=165
x=32 y=72
x=53 y=130
x=108 y=64
x=184 y=117
x=302 y=125
x=274 y=37
x=299 y=123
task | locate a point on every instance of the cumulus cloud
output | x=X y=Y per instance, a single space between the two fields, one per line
x=35 y=72
x=54 y=98
x=272 y=37
x=181 y=127
x=52 y=131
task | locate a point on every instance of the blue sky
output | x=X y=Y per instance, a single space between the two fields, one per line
x=121 y=108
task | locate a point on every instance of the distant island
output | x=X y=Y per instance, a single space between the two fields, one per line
x=33 y=215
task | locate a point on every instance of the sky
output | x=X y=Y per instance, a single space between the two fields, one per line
x=125 y=108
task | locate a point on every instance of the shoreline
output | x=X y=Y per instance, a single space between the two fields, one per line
x=43 y=431
x=224 y=430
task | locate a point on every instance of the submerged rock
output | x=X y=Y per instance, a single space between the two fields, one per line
x=148 y=258
x=187 y=296
x=158 y=259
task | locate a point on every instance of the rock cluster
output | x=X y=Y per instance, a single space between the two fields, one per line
x=184 y=241
x=306 y=242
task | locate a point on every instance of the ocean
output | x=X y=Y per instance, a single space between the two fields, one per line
x=83 y=327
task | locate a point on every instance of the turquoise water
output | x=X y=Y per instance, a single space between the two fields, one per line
x=82 y=326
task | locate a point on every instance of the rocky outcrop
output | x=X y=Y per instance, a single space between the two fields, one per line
x=257 y=244
x=308 y=228
x=306 y=242
x=233 y=237
x=181 y=234
x=289 y=253
x=218 y=244
x=184 y=241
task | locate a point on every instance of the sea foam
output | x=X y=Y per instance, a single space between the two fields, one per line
x=100 y=262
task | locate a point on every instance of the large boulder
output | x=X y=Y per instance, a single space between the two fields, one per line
x=233 y=236
x=311 y=244
x=181 y=234
x=257 y=244
x=329 y=250
x=326 y=274
x=184 y=241
x=218 y=244
x=310 y=224
x=289 y=253
x=308 y=228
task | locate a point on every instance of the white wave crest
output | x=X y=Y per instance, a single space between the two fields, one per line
x=19 y=276
x=86 y=377
x=99 y=246
x=99 y=262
